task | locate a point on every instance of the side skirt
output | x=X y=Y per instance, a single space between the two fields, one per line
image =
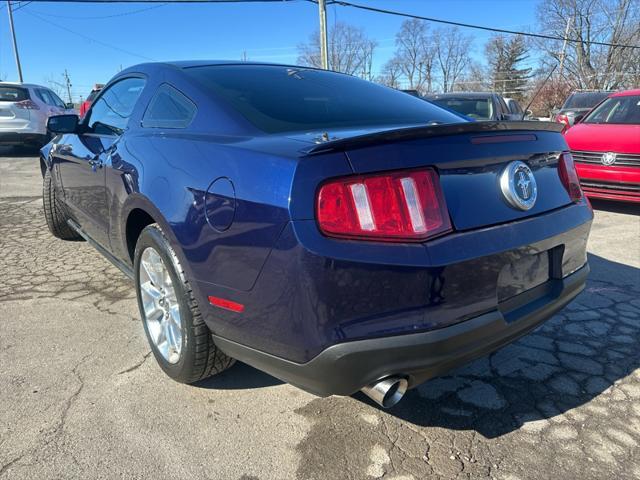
x=123 y=267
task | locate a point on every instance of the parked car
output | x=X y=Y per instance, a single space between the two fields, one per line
x=516 y=110
x=24 y=109
x=577 y=105
x=606 y=148
x=336 y=233
x=477 y=105
x=90 y=98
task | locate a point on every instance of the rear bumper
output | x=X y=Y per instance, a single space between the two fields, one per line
x=20 y=138
x=345 y=368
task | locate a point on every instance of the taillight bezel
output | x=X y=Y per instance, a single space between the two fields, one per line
x=565 y=160
x=445 y=228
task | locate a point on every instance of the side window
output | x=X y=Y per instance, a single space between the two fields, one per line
x=43 y=95
x=169 y=108
x=57 y=101
x=109 y=114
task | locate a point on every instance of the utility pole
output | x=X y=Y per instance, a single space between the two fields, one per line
x=324 y=50
x=15 y=44
x=68 y=82
x=564 y=45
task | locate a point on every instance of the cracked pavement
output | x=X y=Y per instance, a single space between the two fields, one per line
x=82 y=398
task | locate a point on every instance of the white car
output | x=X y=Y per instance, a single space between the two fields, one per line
x=24 y=110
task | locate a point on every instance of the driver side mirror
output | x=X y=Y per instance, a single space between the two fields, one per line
x=69 y=106
x=59 y=124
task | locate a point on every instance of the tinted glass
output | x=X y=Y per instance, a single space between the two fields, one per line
x=620 y=110
x=480 y=108
x=110 y=113
x=281 y=99
x=584 y=100
x=57 y=101
x=169 y=109
x=514 y=107
x=13 y=94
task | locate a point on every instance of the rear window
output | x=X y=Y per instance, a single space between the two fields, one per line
x=617 y=110
x=13 y=94
x=478 y=108
x=283 y=99
x=584 y=100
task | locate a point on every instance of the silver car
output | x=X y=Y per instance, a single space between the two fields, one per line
x=24 y=110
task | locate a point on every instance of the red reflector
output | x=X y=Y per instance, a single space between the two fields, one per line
x=226 y=304
x=394 y=206
x=569 y=176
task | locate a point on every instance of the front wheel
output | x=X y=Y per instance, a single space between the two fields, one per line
x=180 y=340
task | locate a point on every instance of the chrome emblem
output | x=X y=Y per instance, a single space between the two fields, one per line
x=519 y=186
x=608 y=158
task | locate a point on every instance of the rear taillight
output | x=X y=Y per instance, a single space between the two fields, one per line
x=27 y=105
x=569 y=176
x=394 y=206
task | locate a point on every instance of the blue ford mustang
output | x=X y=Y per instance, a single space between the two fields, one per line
x=335 y=233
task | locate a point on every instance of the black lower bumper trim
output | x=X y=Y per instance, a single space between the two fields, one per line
x=345 y=368
x=15 y=138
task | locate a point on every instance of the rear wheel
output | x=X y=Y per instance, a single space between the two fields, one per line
x=180 y=340
x=54 y=211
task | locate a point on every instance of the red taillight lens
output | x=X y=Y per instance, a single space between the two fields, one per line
x=395 y=206
x=569 y=176
x=27 y=105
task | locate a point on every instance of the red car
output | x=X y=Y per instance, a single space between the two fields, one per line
x=87 y=103
x=606 y=148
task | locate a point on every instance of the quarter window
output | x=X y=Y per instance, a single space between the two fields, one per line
x=169 y=108
x=109 y=114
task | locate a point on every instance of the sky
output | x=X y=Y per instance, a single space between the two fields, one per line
x=92 y=41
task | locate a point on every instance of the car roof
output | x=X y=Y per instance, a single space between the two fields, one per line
x=21 y=84
x=626 y=93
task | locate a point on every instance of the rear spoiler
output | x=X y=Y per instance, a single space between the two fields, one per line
x=415 y=133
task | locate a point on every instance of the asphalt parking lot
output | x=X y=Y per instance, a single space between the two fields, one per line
x=80 y=397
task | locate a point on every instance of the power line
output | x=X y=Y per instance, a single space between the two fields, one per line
x=477 y=27
x=98 y=17
x=86 y=37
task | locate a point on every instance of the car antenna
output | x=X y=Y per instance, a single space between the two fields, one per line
x=524 y=113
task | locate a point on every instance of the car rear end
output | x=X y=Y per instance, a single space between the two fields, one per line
x=413 y=240
x=22 y=120
x=404 y=258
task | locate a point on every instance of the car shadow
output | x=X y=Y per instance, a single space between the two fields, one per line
x=566 y=363
x=615 y=207
x=19 y=152
x=239 y=377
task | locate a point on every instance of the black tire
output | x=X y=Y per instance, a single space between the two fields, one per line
x=199 y=357
x=54 y=211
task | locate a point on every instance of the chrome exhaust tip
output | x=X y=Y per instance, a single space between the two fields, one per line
x=386 y=392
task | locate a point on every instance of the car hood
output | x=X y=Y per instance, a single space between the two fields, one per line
x=599 y=137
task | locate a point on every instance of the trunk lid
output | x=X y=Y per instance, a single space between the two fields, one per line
x=469 y=158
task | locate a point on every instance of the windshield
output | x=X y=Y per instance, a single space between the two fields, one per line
x=584 y=100
x=617 y=110
x=280 y=99
x=478 y=108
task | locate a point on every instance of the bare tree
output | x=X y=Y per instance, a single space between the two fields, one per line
x=415 y=55
x=350 y=50
x=391 y=75
x=474 y=79
x=584 y=64
x=452 y=51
